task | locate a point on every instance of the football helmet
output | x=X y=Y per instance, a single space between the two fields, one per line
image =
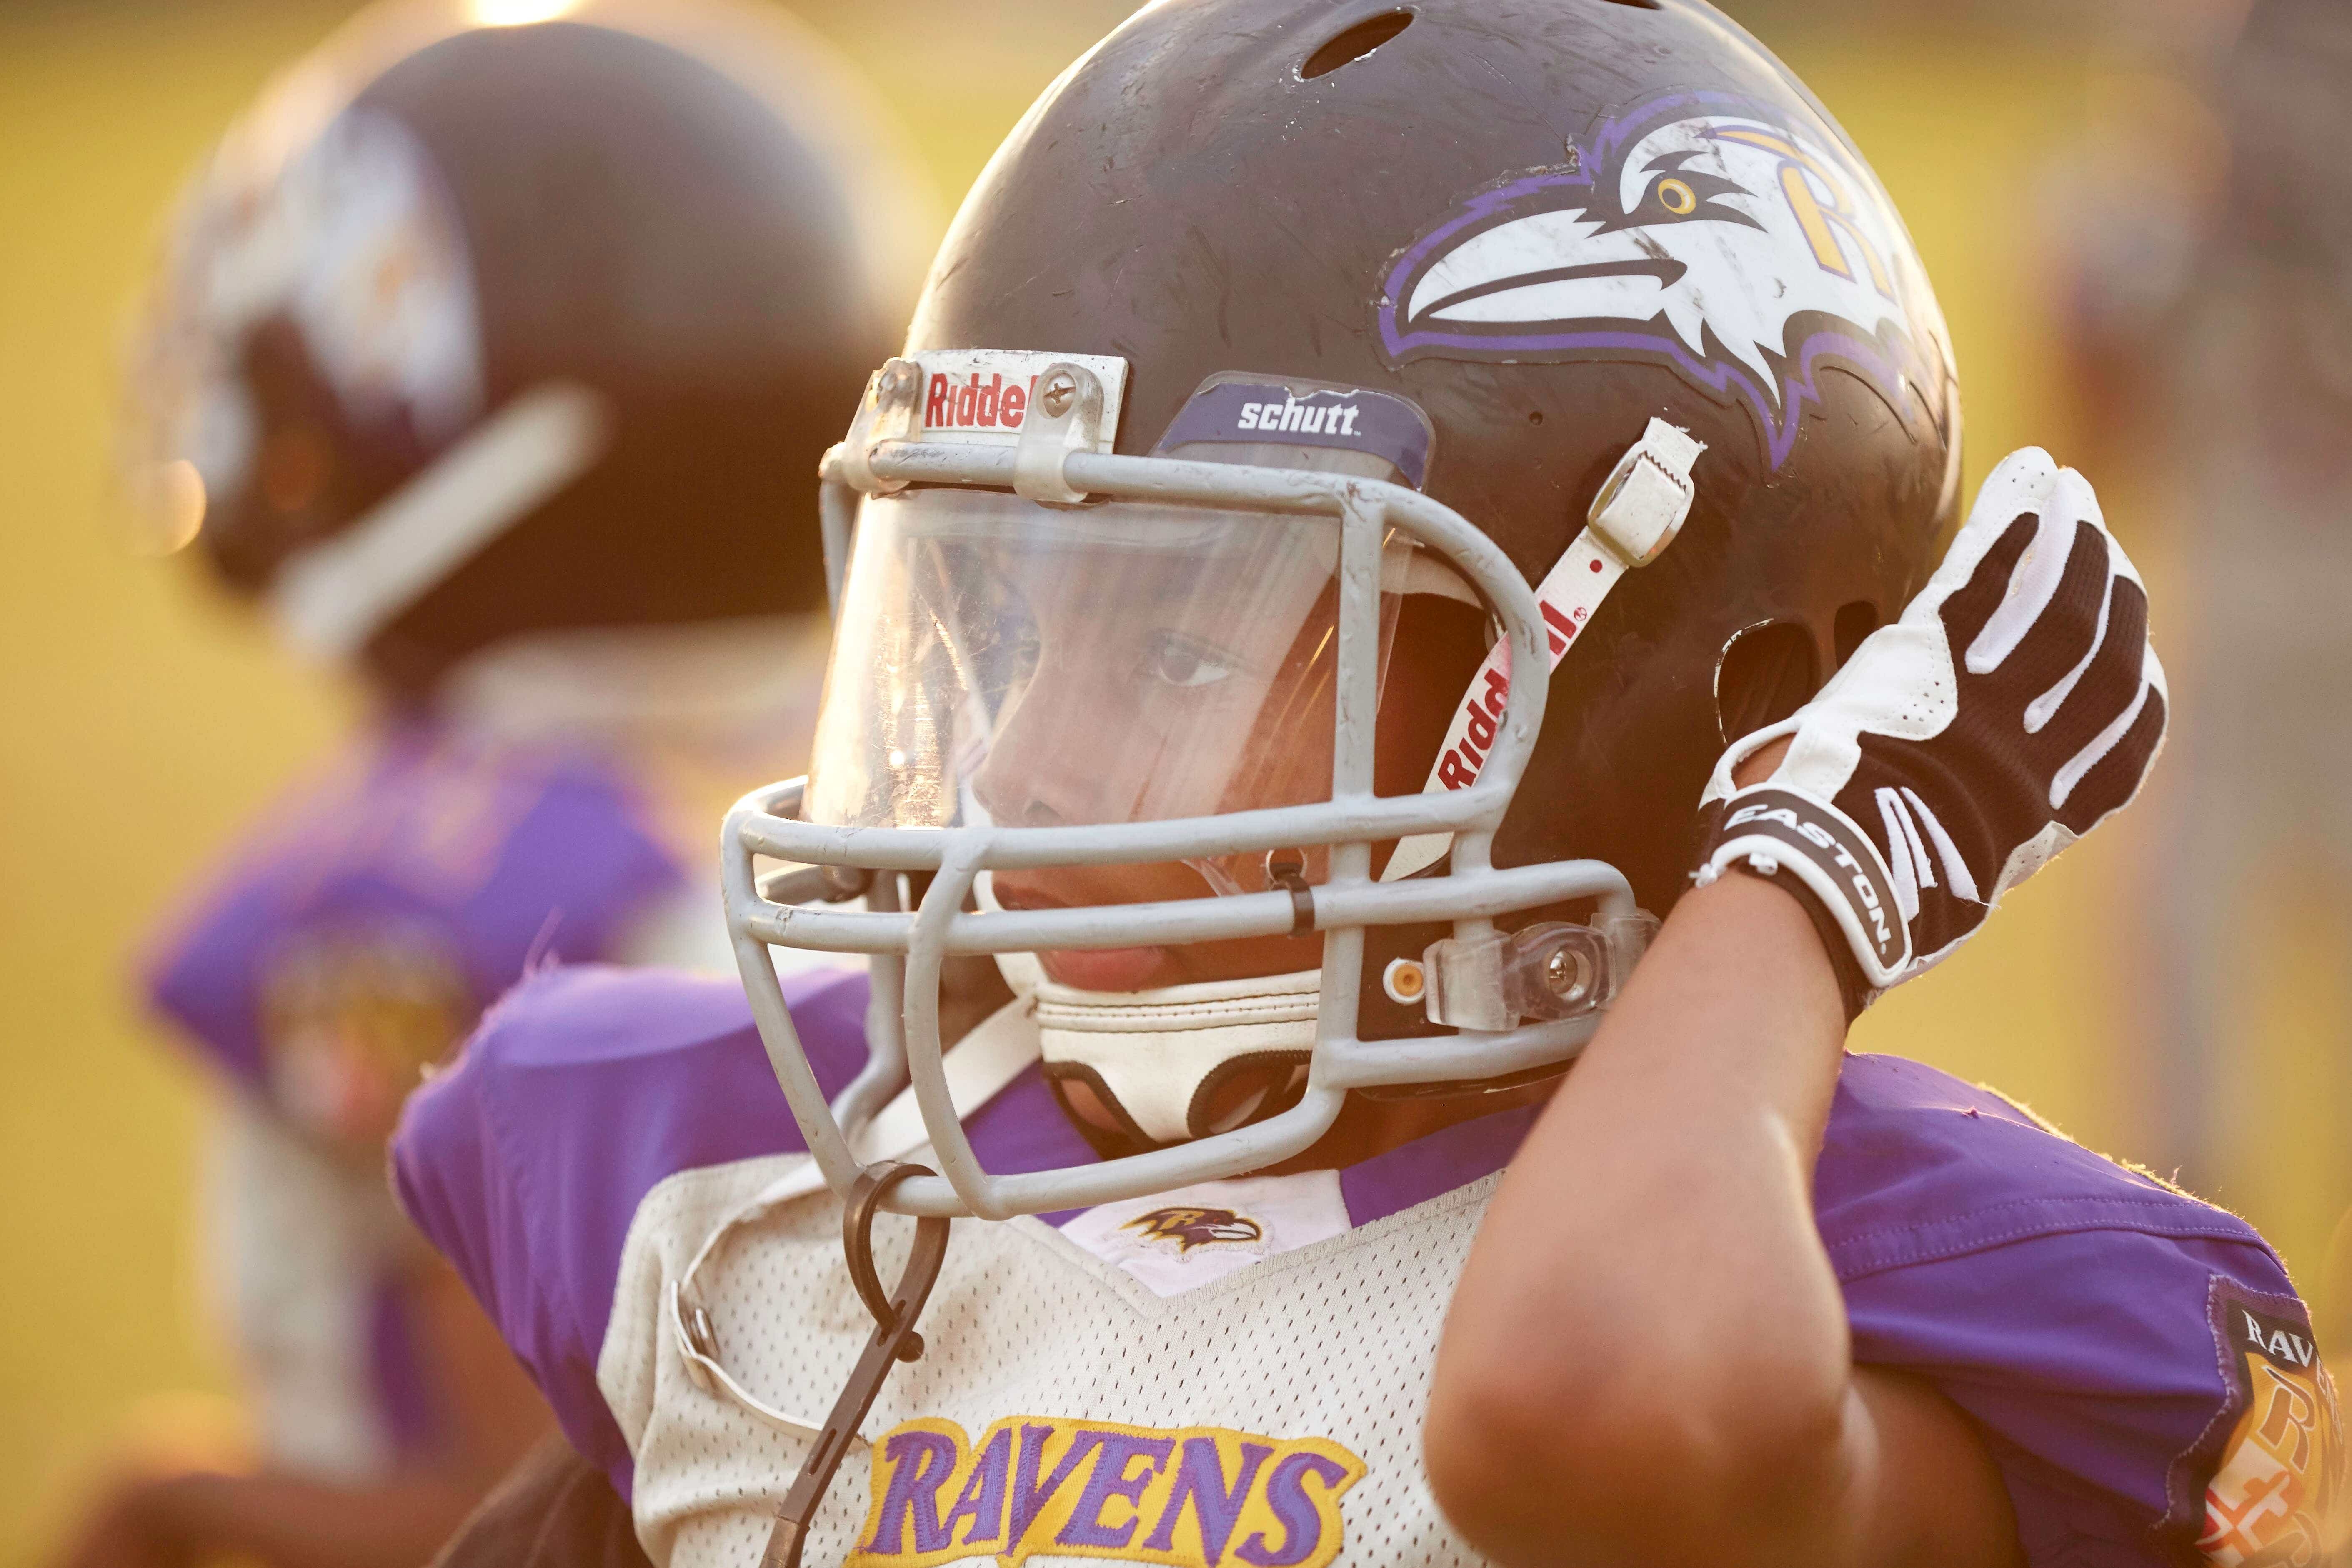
x=1292 y=378
x=469 y=332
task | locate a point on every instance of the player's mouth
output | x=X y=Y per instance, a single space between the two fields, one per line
x=1106 y=968
x=1087 y=968
x=1145 y=968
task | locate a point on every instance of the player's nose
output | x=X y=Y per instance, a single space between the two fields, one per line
x=1045 y=769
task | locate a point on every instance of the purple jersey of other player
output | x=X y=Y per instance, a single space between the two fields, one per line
x=396 y=896
x=2086 y=1317
x=505 y=857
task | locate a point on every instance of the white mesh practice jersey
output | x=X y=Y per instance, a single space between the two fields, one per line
x=1065 y=1407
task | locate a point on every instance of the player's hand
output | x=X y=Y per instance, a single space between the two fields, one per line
x=2015 y=705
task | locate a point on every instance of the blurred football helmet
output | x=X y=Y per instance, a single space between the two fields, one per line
x=1292 y=377
x=468 y=332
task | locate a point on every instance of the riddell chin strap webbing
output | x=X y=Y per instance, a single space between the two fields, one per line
x=1639 y=510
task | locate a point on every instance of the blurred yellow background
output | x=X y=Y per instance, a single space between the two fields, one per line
x=145 y=722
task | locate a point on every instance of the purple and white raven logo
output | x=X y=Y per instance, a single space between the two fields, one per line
x=1703 y=230
x=1190 y=1227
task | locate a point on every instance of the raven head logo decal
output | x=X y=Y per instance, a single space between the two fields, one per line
x=1705 y=231
x=1190 y=1227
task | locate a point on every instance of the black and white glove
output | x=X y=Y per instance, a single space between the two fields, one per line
x=2015 y=705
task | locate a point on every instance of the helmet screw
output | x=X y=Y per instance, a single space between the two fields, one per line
x=1055 y=396
x=898 y=382
x=1568 y=973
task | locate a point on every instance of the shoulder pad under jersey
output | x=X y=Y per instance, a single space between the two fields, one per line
x=583 y=1090
x=2119 y=1342
x=525 y=1161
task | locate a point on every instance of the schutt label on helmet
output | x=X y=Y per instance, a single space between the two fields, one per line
x=1702 y=230
x=985 y=395
x=1044 y=1487
x=1231 y=409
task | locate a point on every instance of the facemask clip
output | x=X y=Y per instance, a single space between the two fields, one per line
x=1065 y=416
x=887 y=413
x=1544 y=973
x=1286 y=870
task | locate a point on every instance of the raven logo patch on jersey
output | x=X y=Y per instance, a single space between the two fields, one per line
x=1042 y=1487
x=1192 y=1227
x=1702 y=230
x=2282 y=1445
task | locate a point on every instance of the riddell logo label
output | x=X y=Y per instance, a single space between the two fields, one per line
x=985 y=396
x=979 y=404
x=1481 y=710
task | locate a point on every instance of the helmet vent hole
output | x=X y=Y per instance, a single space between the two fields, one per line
x=1640 y=5
x=1854 y=622
x=1767 y=673
x=1354 y=43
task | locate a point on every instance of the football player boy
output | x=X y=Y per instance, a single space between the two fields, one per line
x=486 y=362
x=1373 y=500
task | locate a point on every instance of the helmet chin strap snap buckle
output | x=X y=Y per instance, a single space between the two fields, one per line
x=1646 y=500
x=1545 y=972
x=1286 y=868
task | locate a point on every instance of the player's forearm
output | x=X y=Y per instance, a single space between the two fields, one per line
x=1648 y=1337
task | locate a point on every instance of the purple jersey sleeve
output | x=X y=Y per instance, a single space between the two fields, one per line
x=492 y=860
x=582 y=1091
x=2070 y=1307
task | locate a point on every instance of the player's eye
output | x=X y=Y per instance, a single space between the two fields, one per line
x=1178 y=660
x=993 y=625
x=1676 y=197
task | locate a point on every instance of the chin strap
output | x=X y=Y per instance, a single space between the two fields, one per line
x=1639 y=510
x=894 y=1340
x=1158 y=1057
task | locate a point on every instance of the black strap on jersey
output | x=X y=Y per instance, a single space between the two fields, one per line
x=894 y=1340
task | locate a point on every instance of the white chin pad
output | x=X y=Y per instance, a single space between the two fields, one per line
x=1153 y=1050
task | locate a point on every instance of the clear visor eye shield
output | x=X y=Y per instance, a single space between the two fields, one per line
x=1117 y=708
